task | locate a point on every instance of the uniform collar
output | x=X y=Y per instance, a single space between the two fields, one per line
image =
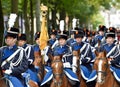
x=109 y=45
x=80 y=43
x=24 y=46
x=63 y=46
x=12 y=47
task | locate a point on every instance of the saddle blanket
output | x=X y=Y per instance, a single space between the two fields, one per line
x=116 y=73
x=13 y=81
x=114 y=70
x=93 y=76
x=85 y=71
x=49 y=75
x=48 y=68
x=33 y=76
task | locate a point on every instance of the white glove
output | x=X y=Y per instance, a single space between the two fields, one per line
x=8 y=72
x=109 y=62
x=67 y=65
x=30 y=60
x=74 y=69
x=42 y=52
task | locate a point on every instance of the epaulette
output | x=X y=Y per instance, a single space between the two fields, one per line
x=67 y=45
x=57 y=45
x=104 y=44
x=3 y=47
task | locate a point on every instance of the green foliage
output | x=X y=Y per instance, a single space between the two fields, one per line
x=82 y=9
x=97 y=20
x=6 y=4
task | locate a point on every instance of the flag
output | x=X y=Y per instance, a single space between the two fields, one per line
x=44 y=34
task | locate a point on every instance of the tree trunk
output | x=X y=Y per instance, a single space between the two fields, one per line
x=62 y=15
x=27 y=30
x=54 y=19
x=14 y=9
x=32 y=23
x=1 y=26
x=37 y=13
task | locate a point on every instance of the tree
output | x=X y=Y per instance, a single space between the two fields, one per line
x=32 y=23
x=14 y=9
x=37 y=14
x=1 y=25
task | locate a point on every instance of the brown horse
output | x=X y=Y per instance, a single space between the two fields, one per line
x=37 y=62
x=59 y=78
x=2 y=79
x=105 y=77
x=76 y=55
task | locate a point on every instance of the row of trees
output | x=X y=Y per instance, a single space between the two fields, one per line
x=85 y=10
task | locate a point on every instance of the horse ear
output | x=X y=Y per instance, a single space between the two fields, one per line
x=105 y=53
x=96 y=53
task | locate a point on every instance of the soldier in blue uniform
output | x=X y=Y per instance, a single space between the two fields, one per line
x=22 y=42
x=63 y=50
x=113 y=55
x=89 y=37
x=16 y=59
x=85 y=34
x=36 y=45
x=53 y=38
x=37 y=51
x=31 y=72
x=101 y=35
x=71 y=40
x=85 y=54
x=112 y=29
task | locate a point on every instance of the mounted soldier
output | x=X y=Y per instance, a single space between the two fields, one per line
x=31 y=72
x=14 y=60
x=101 y=35
x=37 y=51
x=53 y=40
x=86 y=56
x=61 y=49
x=113 y=55
x=71 y=40
x=89 y=38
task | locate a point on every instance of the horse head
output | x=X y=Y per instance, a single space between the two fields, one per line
x=101 y=66
x=38 y=59
x=57 y=68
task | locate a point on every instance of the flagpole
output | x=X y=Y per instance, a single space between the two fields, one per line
x=44 y=33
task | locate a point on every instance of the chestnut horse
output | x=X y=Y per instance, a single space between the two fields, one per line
x=105 y=77
x=37 y=62
x=76 y=55
x=2 y=79
x=59 y=78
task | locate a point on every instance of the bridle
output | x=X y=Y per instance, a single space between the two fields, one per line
x=106 y=66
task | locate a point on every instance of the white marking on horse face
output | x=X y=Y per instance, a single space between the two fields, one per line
x=56 y=65
x=100 y=69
